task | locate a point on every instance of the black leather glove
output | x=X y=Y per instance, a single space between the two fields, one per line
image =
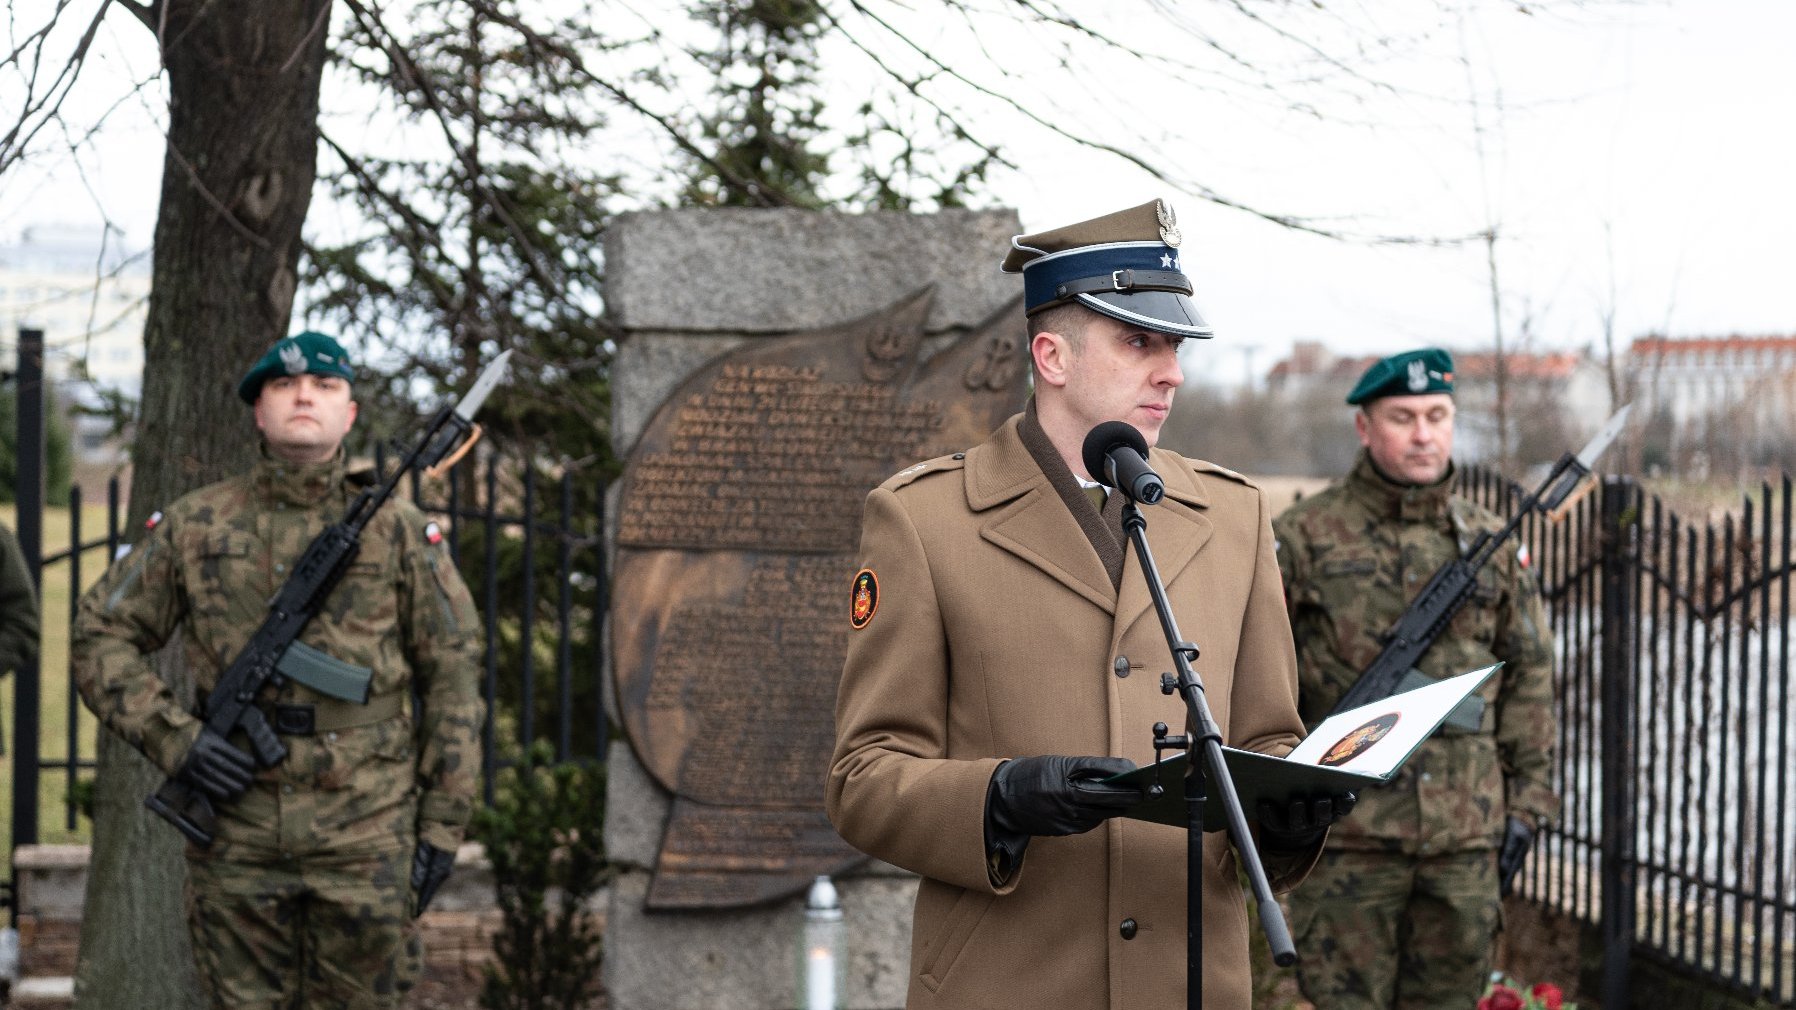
x=1518 y=838
x=1054 y=795
x=430 y=867
x=217 y=768
x=1301 y=821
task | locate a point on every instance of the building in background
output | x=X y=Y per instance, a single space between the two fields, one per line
x=1556 y=401
x=1722 y=405
x=89 y=294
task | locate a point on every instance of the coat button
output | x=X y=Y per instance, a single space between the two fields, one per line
x=960 y=455
x=1127 y=929
x=1122 y=666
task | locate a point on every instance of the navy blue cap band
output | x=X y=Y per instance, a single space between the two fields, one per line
x=1120 y=267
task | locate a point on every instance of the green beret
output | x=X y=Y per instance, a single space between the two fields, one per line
x=1412 y=373
x=301 y=353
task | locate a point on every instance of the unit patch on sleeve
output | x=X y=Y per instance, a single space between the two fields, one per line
x=865 y=599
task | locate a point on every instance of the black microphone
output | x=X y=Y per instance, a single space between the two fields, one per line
x=1115 y=454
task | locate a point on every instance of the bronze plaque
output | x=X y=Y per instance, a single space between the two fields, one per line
x=738 y=527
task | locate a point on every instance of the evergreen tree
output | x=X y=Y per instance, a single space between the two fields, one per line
x=57 y=454
x=481 y=231
x=763 y=127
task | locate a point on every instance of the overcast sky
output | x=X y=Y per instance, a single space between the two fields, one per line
x=1644 y=160
x=1637 y=157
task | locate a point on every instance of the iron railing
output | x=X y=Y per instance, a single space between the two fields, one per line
x=1675 y=712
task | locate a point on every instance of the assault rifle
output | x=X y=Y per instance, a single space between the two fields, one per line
x=1447 y=592
x=273 y=655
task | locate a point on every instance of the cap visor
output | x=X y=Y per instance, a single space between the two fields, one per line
x=1162 y=311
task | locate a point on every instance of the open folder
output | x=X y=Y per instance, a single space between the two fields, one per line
x=1355 y=749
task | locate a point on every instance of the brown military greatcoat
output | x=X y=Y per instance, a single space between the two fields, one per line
x=996 y=632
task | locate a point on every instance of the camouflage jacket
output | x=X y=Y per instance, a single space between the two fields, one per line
x=1352 y=557
x=18 y=606
x=208 y=567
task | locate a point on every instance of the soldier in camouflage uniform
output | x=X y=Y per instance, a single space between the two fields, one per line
x=18 y=609
x=1403 y=910
x=320 y=864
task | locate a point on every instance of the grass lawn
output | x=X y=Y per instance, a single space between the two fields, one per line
x=56 y=692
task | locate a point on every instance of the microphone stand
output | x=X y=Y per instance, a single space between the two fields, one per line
x=1205 y=735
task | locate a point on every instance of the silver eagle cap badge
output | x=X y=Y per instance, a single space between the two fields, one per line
x=293 y=358
x=1169 y=224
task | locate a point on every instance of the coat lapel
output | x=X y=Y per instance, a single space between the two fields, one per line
x=1028 y=519
x=1176 y=531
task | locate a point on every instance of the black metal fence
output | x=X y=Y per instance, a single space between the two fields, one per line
x=530 y=548
x=1677 y=837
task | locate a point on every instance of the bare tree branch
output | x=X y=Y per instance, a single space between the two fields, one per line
x=212 y=200
x=376 y=26
x=416 y=226
x=34 y=115
x=318 y=24
x=1203 y=192
x=666 y=124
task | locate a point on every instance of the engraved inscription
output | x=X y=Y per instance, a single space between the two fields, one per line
x=771 y=457
x=759 y=678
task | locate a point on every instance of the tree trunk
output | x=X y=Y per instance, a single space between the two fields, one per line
x=237 y=180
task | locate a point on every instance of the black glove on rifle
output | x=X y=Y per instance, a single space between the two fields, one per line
x=1055 y=795
x=1518 y=838
x=1301 y=821
x=217 y=768
x=430 y=867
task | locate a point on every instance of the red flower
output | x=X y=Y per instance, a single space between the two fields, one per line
x=1548 y=995
x=1501 y=998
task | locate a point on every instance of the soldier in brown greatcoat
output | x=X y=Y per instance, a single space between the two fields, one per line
x=1003 y=657
x=1402 y=910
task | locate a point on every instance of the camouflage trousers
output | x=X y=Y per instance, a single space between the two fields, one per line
x=1385 y=931
x=312 y=932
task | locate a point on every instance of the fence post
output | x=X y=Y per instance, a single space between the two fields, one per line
x=29 y=493
x=1618 y=544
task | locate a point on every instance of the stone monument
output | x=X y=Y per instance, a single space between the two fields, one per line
x=774 y=366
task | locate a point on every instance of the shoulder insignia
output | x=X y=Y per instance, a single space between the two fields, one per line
x=910 y=474
x=1205 y=466
x=1522 y=556
x=433 y=534
x=863 y=600
x=154 y=520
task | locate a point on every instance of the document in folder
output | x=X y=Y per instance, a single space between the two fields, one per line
x=1355 y=749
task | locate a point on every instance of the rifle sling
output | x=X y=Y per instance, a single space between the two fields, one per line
x=329 y=715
